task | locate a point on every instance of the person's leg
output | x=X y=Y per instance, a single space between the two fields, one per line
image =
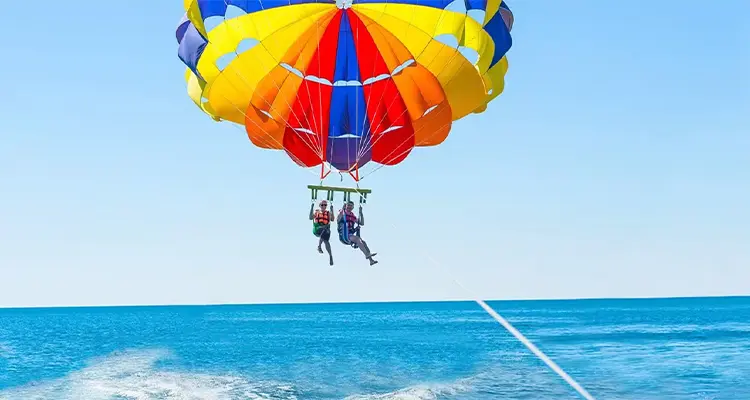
x=358 y=241
x=323 y=232
x=318 y=232
x=363 y=246
x=326 y=238
x=328 y=249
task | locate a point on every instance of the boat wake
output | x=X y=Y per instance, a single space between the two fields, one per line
x=133 y=375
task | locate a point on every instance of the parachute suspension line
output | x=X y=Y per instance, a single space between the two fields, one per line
x=355 y=39
x=315 y=126
x=323 y=172
x=295 y=158
x=354 y=173
x=435 y=132
x=363 y=144
x=407 y=150
x=396 y=96
x=359 y=154
x=321 y=135
x=509 y=327
x=367 y=146
x=328 y=142
x=455 y=53
x=274 y=140
x=310 y=145
x=453 y=56
x=244 y=114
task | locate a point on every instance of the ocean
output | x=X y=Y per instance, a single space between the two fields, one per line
x=690 y=348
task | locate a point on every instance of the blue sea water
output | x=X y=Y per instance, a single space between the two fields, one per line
x=696 y=348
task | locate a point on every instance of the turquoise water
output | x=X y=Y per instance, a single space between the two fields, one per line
x=617 y=349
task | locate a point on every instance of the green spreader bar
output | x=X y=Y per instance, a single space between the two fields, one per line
x=330 y=190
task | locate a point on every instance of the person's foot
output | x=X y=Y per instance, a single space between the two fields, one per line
x=373 y=262
x=320 y=250
x=330 y=261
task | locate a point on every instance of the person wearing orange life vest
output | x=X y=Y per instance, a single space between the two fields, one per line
x=322 y=227
x=349 y=234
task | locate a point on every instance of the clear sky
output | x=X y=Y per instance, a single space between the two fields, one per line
x=616 y=163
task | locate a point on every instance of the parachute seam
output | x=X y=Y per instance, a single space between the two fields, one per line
x=369 y=144
x=310 y=146
x=296 y=159
x=406 y=109
x=456 y=52
x=307 y=87
x=314 y=147
x=415 y=132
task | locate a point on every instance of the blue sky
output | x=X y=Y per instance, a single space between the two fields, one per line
x=616 y=163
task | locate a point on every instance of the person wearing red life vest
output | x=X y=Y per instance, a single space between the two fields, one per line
x=322 y=227
x=349 y=233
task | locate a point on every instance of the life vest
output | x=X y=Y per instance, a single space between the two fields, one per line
x=322 y=217
x=349 y=218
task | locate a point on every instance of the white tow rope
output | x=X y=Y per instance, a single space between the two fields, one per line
x=518 y=335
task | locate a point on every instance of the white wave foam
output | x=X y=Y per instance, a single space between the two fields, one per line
x=131 y=376
x=419 y=392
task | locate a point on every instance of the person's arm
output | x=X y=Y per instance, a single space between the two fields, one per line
x=341 y=215
x=311 y=211
x=361 y=216
x=333 y=212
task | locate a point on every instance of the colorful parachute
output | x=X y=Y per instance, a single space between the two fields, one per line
x=344 y=83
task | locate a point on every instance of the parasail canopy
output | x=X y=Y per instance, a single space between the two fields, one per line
x=344 y=83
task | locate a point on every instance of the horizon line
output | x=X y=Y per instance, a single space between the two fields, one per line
x=365 y=302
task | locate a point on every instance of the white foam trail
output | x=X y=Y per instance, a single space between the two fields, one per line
x=131 y=376
x=418 y=392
